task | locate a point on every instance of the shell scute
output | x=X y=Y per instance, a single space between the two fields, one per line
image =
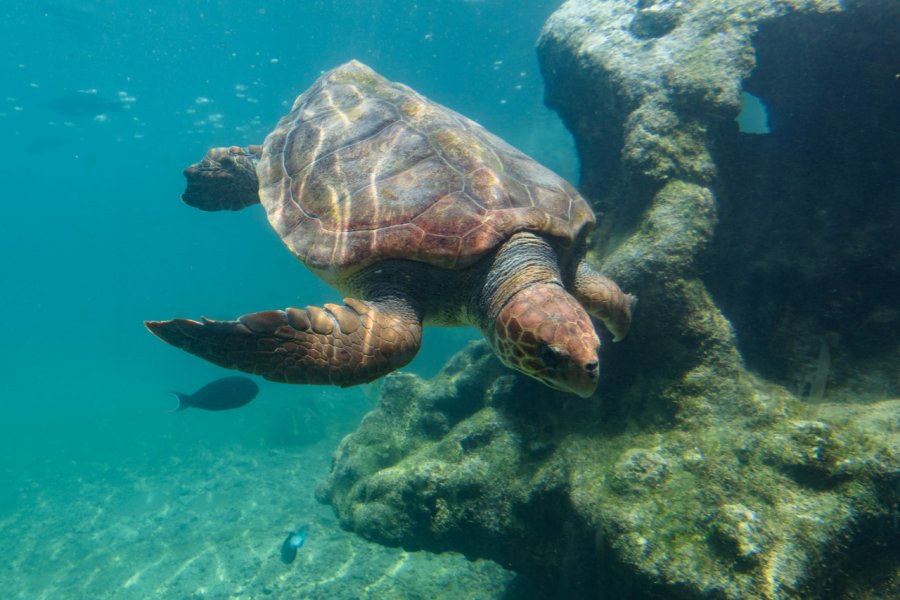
x=398 y=240
x=483 y=236
x=453 y=215
x=485 y=188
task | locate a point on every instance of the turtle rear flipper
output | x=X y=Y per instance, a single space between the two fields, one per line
x=224 y=180
x=337 y=345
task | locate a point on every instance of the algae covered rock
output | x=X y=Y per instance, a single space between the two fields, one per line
x=760 y=505
x=743 y=441
x=803 y=261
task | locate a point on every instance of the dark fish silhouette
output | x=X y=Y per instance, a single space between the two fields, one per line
x=222 y=394
x=292 y=543
x=85 y=104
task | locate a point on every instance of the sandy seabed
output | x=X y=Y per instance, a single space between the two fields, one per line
x=209 y=525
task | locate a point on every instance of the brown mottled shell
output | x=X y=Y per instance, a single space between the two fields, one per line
x=363 y=170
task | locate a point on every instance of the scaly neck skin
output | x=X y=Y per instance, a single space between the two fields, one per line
x=524 y=260
x=533 y=324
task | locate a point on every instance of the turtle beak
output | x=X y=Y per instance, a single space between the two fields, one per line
x=582 y=379
x=575 y=376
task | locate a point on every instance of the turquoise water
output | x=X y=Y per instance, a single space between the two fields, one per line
x=103 y=493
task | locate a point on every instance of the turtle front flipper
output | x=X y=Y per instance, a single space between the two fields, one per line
x=338 y=345
x=604 y=300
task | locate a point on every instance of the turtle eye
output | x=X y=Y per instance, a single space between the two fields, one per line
x=549 y=355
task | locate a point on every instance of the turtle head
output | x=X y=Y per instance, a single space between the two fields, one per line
x=224 y=180
x=545 y=333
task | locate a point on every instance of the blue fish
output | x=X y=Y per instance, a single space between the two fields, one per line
x=292 y=543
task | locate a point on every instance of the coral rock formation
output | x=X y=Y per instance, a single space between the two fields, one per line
x=701 y=469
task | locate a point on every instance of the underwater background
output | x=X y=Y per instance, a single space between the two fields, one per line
x=103 y=103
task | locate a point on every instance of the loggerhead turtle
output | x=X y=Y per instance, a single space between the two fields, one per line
x=420 y=216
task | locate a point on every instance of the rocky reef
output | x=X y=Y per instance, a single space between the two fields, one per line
x=804 y=262
x=743 y=441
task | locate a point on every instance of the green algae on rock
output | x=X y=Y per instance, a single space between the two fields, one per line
x=698 y=471
x=737 y=506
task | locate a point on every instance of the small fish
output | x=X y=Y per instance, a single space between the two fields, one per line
x=292 y=543
x=222 y=394
x=85 y=103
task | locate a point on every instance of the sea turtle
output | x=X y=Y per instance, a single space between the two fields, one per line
x=420 y=216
